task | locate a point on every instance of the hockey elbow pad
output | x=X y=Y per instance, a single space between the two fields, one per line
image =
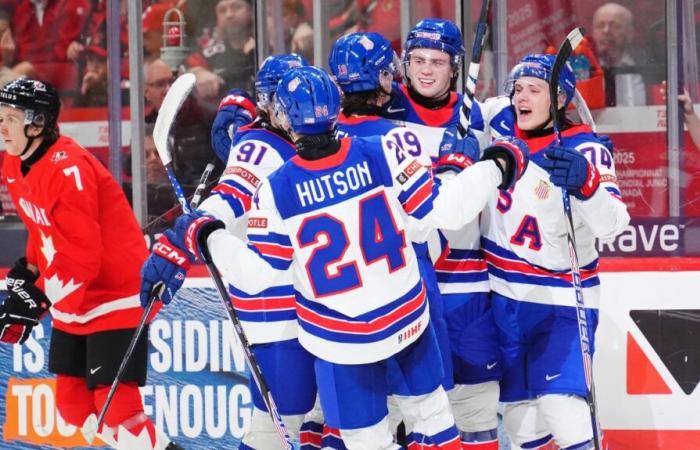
x=511 y=155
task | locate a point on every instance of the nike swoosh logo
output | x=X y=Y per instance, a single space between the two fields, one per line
x=10 y=180
x=549 y=377
x=503 y=125
x=391 y=110
x=491 y=366
x=94 y=371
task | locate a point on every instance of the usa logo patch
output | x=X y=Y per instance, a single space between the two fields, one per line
x=542 y=190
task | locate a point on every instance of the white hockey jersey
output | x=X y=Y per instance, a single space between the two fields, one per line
x=340 y=222
x=524 y=233
x=268 y=314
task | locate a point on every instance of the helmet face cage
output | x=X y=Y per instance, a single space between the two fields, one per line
x=359 y=60
x=540 y=66
x=270 y=73
x=309 y=99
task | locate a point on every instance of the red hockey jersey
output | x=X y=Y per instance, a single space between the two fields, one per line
x=83 y=237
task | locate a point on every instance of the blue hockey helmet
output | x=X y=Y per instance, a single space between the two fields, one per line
x=270 y=73
x=440 y=34
x=310 y=99
x=540 y=66
x=357 y=60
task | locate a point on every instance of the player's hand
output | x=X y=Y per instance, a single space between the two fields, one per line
x=168 y=265
x=235 y=110
x=571 y=171
x=24 y=306
x=190 y=233
x=22 y=271
x=456 y=154
x=511 y=155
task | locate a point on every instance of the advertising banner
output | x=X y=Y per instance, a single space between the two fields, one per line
x=197 y=390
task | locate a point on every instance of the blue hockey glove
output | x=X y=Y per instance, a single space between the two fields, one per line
x=512 y=156
x=606 y=141
x=168 y=264
x=571 y=171
x=174 y=252
x=190 y=233
x=235 y=110
x=456 y=154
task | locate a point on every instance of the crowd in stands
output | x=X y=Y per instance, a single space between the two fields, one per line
x=65 y=43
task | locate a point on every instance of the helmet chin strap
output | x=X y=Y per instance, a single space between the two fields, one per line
x=30 y=140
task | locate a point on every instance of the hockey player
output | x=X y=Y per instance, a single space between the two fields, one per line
x=336 y=213
x=432 y=55
x=80 y=263
x=525 y=243
x=364 y=66
x=267 y=315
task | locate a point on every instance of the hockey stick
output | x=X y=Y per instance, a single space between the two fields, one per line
x=582 y=109
x=91 y=428
x=573 y=39
x=171 y=104
x=473 y=70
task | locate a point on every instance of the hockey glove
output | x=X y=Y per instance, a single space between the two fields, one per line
x=24 y=306
x=235 y=110
x=168 y=265
x=511 y=156
x=20 y=271
x=456 y=154
x=190 y=233
x=571 y=171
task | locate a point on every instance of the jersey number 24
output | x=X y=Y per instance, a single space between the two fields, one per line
x=379 y=239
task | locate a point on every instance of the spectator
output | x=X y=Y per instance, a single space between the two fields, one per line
x=158 y=78
x=93 y=87
x=153 y=30
x=42 y=30
x=692 y=121
x=8 y=73
x=613 y=31
x=298 y=33
x=228 y=59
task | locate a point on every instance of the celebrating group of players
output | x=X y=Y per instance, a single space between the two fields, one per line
x=385 y=268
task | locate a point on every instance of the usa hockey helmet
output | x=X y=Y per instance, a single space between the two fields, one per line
x=540 y=66
x=271 y=70
x=39 y=101
x=440 y=34
x=310 y=99
x=357 y=61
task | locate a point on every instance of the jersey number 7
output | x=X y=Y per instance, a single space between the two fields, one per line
x=379 y=239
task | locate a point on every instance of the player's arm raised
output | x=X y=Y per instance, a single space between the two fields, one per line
x=455 y=202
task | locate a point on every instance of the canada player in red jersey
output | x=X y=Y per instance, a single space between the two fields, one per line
x=83 y=258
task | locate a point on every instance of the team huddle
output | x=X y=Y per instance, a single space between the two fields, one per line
x=390 y=266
